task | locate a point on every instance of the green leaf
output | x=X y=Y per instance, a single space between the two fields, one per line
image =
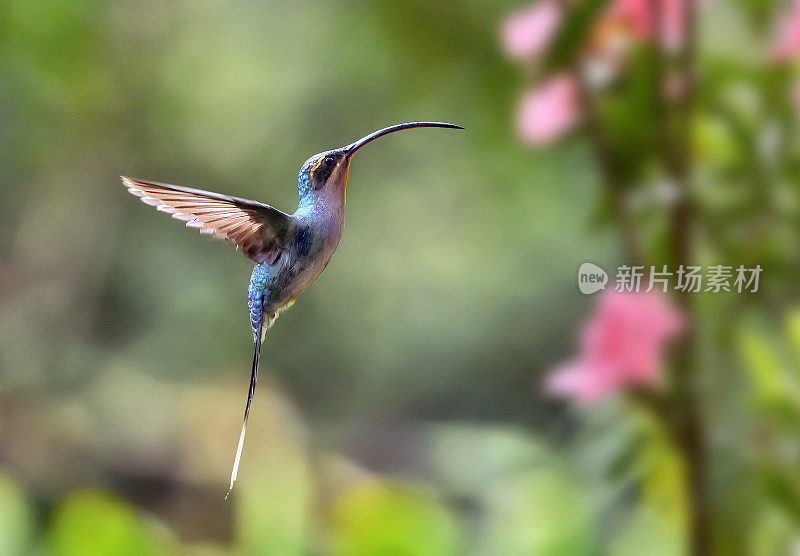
x=94 y=523
x=466 y=458
x=793 y=332
x=664 y=484
x=762 y=363
x=16 y=517
x=379 y=518
x=782 y=489
x=628 y=114
x=272 y=499
x=537 y=511
x=645 y=532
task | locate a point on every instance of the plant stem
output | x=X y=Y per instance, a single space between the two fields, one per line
x=676 y=156
x=614 y=183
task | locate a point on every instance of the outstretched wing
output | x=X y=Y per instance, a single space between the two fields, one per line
x=259 y=230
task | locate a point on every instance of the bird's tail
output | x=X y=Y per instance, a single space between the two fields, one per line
x=258 y=340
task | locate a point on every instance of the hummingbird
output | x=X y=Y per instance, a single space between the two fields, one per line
x=290 y=251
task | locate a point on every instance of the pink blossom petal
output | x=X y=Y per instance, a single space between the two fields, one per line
x=633 y=15
x=527 y=32
x=673 y=31
x=548 y=112
x=580 y=382
x=639 y=20
x=621 y=346
x=787 y=40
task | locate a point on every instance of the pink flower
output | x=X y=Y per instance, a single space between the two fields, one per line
x=527 y=32
x=638 y=19
x=621 y=346
x=633 y=16
x=673 y=29
x=548 y=111
x=787 y=43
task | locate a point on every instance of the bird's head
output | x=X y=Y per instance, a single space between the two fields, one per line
x=327 y=172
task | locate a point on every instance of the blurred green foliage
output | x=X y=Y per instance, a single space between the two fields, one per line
x=124 y=338
x=385 y=519
x=95 y=523
x=16 y=518
x=399 y=411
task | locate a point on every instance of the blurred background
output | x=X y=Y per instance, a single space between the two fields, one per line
x=402 y=407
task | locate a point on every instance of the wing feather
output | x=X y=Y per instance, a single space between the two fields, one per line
x=259 y=230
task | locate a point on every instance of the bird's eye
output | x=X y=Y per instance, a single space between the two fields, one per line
x=323 y=171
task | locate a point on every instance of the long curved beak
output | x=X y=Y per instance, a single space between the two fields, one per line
x=353 y=147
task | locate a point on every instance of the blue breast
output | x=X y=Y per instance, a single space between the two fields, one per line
x=303 y=241
x=273 y=285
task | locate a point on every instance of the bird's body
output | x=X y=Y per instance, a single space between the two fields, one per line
x=317 y=227
x=290 y=251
